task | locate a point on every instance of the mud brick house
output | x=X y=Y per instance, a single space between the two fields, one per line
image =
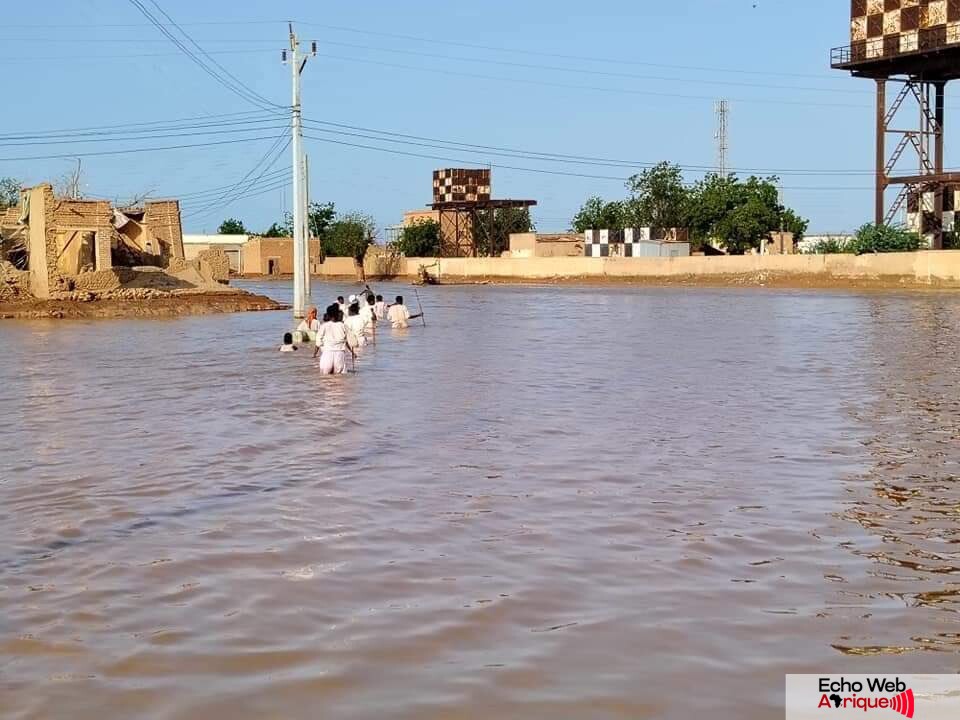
x=58 y=238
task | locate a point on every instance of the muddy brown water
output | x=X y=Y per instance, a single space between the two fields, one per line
x=549 y=503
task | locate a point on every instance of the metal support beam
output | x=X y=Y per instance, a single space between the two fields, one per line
x=881 y=182
x=938 y=164
x=927 y=141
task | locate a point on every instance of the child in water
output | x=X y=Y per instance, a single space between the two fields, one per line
x=288 y=345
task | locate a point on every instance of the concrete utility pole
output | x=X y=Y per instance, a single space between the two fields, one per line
x=301 y=246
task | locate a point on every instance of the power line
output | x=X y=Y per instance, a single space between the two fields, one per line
x=203 y=212
x=546 y=156
x=23 y=60
x=268 y=160
x=196 y=195
x=433 y=41
x=144 y=135
x=174 y=121
x=237 y=90
x=131 y=151
x=587 y=71
x=568 y=86
x=226 y=72
x=284 y=183
x=201 y=195
x=394 y=151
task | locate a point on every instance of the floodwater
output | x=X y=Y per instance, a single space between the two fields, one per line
x=592 y=502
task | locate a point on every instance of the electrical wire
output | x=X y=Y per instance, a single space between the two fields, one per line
x=203 y=195
x=215 y=130
x=196 y=195
x=434 y=41
x=597 y=88
x=588 y=71
x=175 y=121
x=252 y=193
x=394 y=151
x=130 y=151
x=268 y=160
x=237 y=90
x=540 y=156
x=226 y=72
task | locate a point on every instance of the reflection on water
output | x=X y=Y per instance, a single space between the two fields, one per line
x=550 y=502
x=908 y=500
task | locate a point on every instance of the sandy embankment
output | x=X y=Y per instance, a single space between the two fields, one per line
x=174 y=305
x=130 y=293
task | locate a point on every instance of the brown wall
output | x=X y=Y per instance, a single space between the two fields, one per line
x=74 y=219
x=256 y=253
x=546 y=245
x=162 y=219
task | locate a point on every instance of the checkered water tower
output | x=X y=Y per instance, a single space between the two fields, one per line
x=887 y=28
x=911 y=50
x=461 y=185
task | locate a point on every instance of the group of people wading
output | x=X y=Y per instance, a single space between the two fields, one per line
x=346 y=327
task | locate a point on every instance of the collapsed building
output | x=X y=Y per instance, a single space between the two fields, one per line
x=56 y=245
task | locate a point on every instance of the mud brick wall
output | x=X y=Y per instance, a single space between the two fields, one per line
x=100 y=281
x=49 y=211
x=162 y=219
x=886 y=28
x=93 y=215
x=214 y=264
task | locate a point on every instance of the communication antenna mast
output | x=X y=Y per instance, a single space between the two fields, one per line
x=722 y=136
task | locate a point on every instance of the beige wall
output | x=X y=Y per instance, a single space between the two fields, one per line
x=256 y=253
x=41 y=215
x=411 y=217
x=923 y=267
x=337 y=267
x=525 y=245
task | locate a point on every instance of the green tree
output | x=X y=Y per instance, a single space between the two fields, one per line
x=794 y=223
x=9 y=192
x=658 y=198
x=738 y=214
x=829 y=246
x=421 y=239
x=595 y=214
x=232 y=226
x=491 y=233
x=349 y=236
x=872 y=238
x=319 y=218
x=275 y=231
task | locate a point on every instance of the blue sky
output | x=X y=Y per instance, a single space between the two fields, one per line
x=632 y=81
